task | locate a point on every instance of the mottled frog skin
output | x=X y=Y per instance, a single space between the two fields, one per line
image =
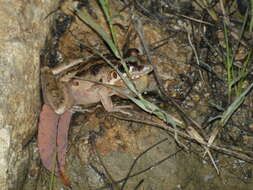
x=55 y=93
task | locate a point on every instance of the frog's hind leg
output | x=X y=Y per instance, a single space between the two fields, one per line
x=106 y=101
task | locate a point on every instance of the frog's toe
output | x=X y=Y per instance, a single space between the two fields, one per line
x=81 y=109
x=121 y=109
x=125 y=107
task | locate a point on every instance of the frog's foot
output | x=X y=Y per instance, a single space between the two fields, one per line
x=80 y=109
x=121 y=109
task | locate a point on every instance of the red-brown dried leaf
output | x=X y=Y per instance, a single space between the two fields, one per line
x=62 y=140
x=47 y=133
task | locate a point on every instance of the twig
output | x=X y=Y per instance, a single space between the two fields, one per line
x=139 y=184
x=146 y=169
x=112 y=181
x=195 y=53
x=61 y=68
x=138 y=157
x=163 y=126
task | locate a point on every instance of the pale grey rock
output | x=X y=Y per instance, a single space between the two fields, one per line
x=23 y=31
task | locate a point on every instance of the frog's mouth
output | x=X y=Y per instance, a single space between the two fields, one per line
x=137 y=72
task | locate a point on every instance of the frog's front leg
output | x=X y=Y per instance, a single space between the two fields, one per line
x=106 y=101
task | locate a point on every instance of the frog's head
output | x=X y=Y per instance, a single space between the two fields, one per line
x=136 y=65
x=138 y=71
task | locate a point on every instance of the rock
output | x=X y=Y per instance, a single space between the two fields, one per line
x=23 y=32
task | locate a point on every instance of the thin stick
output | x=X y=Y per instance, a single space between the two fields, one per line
x=236 y=154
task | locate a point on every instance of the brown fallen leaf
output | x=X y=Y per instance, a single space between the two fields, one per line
x=62 y=144
x=47 y=133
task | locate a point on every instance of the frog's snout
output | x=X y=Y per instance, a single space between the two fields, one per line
x=140 y=71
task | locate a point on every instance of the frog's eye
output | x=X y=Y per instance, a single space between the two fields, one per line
x=114 y=74
x=75 y=83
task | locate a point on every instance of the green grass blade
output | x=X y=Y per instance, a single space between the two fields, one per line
x=238 y=79
x=106 y=10
x=86 y=18
x=234 y=106
x=151 y=108
x=228 y=61
x=251 y=16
